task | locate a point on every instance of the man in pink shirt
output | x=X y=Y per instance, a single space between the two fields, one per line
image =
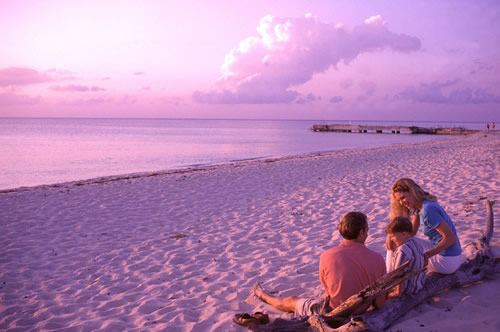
x=344 y=270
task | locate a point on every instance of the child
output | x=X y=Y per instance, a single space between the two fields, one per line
x=407 y=249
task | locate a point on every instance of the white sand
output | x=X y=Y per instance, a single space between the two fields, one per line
x=180 y=251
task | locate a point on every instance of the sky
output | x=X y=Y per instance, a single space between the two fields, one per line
x=399 y=60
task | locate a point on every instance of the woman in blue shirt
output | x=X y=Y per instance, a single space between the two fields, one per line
x=442 y=249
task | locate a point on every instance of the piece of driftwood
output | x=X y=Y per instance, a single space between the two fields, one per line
x=339 y=316
x=479 y=262
x=371 y=292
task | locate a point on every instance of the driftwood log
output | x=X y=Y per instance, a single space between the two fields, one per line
x=479 y=262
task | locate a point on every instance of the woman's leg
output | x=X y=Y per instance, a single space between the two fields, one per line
x=438 y=263
x=444 y=264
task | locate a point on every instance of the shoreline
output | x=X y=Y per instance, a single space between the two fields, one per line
x=180 y=251
x=204 y=167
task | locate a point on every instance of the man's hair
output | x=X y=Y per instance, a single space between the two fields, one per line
x=351 y=224
x=399 y=225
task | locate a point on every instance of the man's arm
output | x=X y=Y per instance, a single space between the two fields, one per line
x=321 y=272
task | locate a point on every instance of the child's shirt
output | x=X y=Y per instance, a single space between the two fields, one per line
x=413 y=251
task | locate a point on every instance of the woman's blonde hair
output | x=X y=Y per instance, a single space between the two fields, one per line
x=409 y=186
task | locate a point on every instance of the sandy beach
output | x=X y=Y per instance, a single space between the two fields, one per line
x=180 y=250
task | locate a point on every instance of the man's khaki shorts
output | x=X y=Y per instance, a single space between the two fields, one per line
x=309 y=306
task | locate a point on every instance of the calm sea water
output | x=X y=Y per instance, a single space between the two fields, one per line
x=46 y=151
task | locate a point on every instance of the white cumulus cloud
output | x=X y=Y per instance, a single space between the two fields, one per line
x=266 y=69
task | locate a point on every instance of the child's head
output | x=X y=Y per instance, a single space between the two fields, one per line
x=399 y=229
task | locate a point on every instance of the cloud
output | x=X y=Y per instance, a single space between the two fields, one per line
x=127 y=99
x=470 y=96
x=368 y=89
x=426 y=92
x=13 y=99
x=346 y=84
x=289 y=51
x=61 y=75
x=172 y=100
x=336 y=99
x=89 y=101
x=76 y=88
x=307 y=99
x=251 y=94
x=433 y=93
x=139 y=73
x=120 y=100
x=479 y=66
x=22 y=76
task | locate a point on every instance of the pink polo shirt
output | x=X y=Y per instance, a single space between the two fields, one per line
x=348 y=268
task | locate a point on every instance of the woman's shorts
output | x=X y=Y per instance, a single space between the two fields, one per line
x=437 y=263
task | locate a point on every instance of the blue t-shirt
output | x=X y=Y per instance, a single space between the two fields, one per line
x=431 y=215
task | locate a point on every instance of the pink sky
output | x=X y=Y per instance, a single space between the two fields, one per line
x=282 y=59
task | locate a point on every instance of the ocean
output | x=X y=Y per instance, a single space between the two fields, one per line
x=37 y=151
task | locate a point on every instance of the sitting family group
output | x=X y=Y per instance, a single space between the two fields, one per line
x=346 y=269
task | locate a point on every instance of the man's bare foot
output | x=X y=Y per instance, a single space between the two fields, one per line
x=286 y=304
x=258 y=291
